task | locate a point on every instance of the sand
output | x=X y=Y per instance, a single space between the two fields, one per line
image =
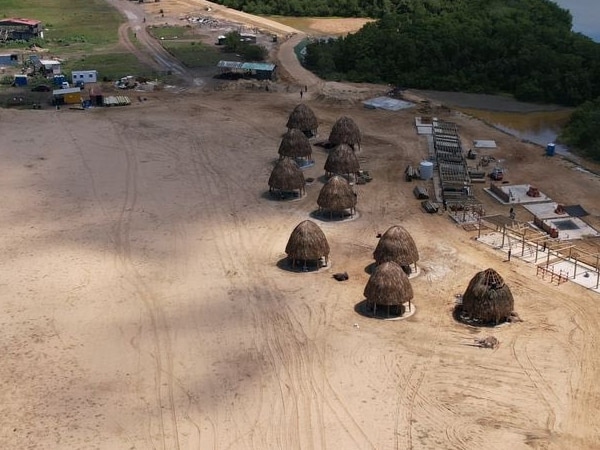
x=143 y=306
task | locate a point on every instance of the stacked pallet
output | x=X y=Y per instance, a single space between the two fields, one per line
x=116 y=100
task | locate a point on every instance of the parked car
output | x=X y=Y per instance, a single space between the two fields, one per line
x=41 y=88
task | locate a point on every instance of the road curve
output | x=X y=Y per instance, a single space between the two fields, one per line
x=151 y=52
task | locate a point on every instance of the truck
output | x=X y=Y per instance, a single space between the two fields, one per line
x=497 y=174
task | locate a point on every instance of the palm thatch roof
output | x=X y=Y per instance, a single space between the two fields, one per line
x=396 y=245
x=337 y=195
x=487 y=298
x=307 y=243
x=345 y=131
x=342 y=161
x=295 y=144
x=287 y=176
x=303 y=118
x=388 y=286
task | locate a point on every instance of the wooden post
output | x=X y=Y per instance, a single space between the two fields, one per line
x=575 y=271
x=523 y=244
x=503 y=235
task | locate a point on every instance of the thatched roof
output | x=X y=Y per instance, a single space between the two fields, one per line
x=286 y=176
x=303 y=118
x=295 y=144
x=396 y=245
x=337 y=195
x=388 y=285
x=487 y=299
x=342 y=160
x=345 y=131
x=307 y=242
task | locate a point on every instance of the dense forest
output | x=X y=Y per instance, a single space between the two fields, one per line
x=581 y=133
x=521 y=47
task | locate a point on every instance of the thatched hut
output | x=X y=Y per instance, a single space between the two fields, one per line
x=295 y=144
x=345 y=131
x=389 y=287
x=308 y=243
x=303 y=118
x=337 y=196
x=342 y=161
x=397 y=245
x=287 y=178
x=488 y=299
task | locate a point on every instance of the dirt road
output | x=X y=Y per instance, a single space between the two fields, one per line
x=148 y=49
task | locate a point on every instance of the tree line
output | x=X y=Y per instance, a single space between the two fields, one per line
x=582 y=133
x=521 y=47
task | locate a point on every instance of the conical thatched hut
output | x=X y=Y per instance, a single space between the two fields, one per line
x=397 y=245
x=303 y=118
x=286 y=177
x=345 y=131
x=388 y=287
x=342 y=161
x=337 y=196
x=308 y=243
x=487 y=299
x=295 y=144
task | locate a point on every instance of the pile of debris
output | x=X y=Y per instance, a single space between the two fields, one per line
x=487 y=342
x=342 y=276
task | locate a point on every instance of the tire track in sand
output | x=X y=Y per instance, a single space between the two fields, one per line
x=290 y=351
x=160 y=341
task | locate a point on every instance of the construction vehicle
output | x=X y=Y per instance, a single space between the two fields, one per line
x=497 y=174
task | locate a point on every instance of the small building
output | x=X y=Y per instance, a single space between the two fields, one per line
x=84 y=76
x=20 y=80
x=13 y=29
x=50 y=66
x=70 y=96
x=9 y=59
x=258 y=70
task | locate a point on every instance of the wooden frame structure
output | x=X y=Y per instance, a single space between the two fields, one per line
x=540 y=244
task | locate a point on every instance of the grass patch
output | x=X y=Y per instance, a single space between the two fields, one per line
x=193 y=54
x=69 y=22
x=171 y=32
x=111 y=66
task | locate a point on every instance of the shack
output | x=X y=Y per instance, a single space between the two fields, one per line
x=70 y=96
x=50 y=67
x=20 y=80
x=258 y=70
x=9 y=59
x=14 y=28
